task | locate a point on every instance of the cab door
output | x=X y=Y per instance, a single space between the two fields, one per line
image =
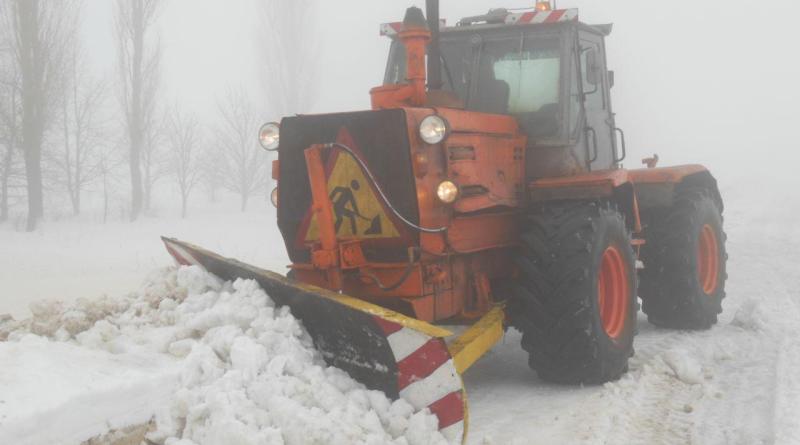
x=599 y=119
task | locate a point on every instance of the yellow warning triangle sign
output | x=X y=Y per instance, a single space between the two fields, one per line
x=357 y=211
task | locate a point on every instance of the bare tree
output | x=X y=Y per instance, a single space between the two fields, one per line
x=10 y=124
x=155 y=164
x=288 y=54
x=213 y=176
x=41 y=32
x=139 y=56
x=184 y=139
x=83 y=129
x=109 y=162
x=244 y=166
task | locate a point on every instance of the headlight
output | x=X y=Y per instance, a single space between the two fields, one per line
x=274 y=197
x=447 y=192
x=433 y=129
x=269 y=136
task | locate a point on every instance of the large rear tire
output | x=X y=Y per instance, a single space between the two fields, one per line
x=683 y=281
x=575 y=297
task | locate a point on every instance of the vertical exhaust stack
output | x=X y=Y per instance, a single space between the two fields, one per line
x=434 y=51
x=415 y=36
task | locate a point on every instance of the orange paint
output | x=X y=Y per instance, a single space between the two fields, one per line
x=613 y=292
x=708 y=260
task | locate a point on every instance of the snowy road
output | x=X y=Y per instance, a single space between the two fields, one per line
x=735 y=384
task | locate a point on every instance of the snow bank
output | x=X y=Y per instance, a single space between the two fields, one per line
x=243 y=371
x=60 y=393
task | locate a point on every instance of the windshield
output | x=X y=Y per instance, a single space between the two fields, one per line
x=515 y=74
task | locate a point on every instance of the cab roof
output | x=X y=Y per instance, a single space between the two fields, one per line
x=503 y=18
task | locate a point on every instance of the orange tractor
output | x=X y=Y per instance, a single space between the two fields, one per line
x=484 y=188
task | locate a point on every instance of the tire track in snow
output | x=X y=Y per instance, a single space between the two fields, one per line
x=717 y=387
x=786 y=421
x=647 y=406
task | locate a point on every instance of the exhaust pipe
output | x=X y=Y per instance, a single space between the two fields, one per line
x=434 y=50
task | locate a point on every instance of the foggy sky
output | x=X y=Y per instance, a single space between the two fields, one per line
x=708 y=81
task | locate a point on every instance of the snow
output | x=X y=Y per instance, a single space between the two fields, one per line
x=76 y=392
x=737 y=383
x=211 y=362
x=82 y=257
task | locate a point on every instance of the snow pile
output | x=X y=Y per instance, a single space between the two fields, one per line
x=245 y=371
x=251 y=376
x=684 y=365
x=750 y=317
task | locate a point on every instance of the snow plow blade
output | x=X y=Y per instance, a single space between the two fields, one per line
x=384 y=350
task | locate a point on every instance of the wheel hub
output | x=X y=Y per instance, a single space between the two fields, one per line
x=708 y=260
x=613 y=290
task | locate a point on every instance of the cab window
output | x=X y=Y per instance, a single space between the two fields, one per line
x=533 y=78
x=502 y=73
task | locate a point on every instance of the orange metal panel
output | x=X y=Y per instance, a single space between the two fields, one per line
x=597 y=184
x=428 y=175
x=672 y=175
x=489 y=167
x=325 y=258
x=276 y=168
x=462 y=121
x=475 y=233
x=614 y=178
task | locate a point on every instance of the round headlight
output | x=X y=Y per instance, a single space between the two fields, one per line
x=447 y=192
x=433 y=129
x=269 y=136
x=274 y=197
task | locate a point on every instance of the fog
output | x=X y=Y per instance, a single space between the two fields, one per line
x=712 y=81
x=124 y=121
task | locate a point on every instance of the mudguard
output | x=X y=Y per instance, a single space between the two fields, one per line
x=384 y=350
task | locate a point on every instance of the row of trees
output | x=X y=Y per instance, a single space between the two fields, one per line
x=59 y=124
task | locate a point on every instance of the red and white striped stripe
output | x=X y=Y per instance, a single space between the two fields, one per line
x=180 y=255
x=392 y=29
x=533 y=17
x=427 y=377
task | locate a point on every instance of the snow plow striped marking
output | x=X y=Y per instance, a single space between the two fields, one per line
x=392 y=29
x=180 y=254
x=533 y=17
x=427 y=377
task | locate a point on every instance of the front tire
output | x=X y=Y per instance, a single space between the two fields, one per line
x=683 y=282
x=575 y=297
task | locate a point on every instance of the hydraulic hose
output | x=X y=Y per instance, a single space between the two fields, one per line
x=385 y=200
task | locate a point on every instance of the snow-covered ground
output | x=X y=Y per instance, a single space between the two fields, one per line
x=738 y=383
x=215 y=363
x=72 y=259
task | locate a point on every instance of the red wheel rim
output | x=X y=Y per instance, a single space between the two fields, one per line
x=708 y=260
x=613 y=292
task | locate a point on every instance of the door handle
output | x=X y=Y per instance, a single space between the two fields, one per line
x=622 y=145
x=593 y=152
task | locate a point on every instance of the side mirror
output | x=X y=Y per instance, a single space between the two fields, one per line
x=592 y=68
x=611 y=78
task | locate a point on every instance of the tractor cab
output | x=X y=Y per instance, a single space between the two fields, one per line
x=544 y=67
